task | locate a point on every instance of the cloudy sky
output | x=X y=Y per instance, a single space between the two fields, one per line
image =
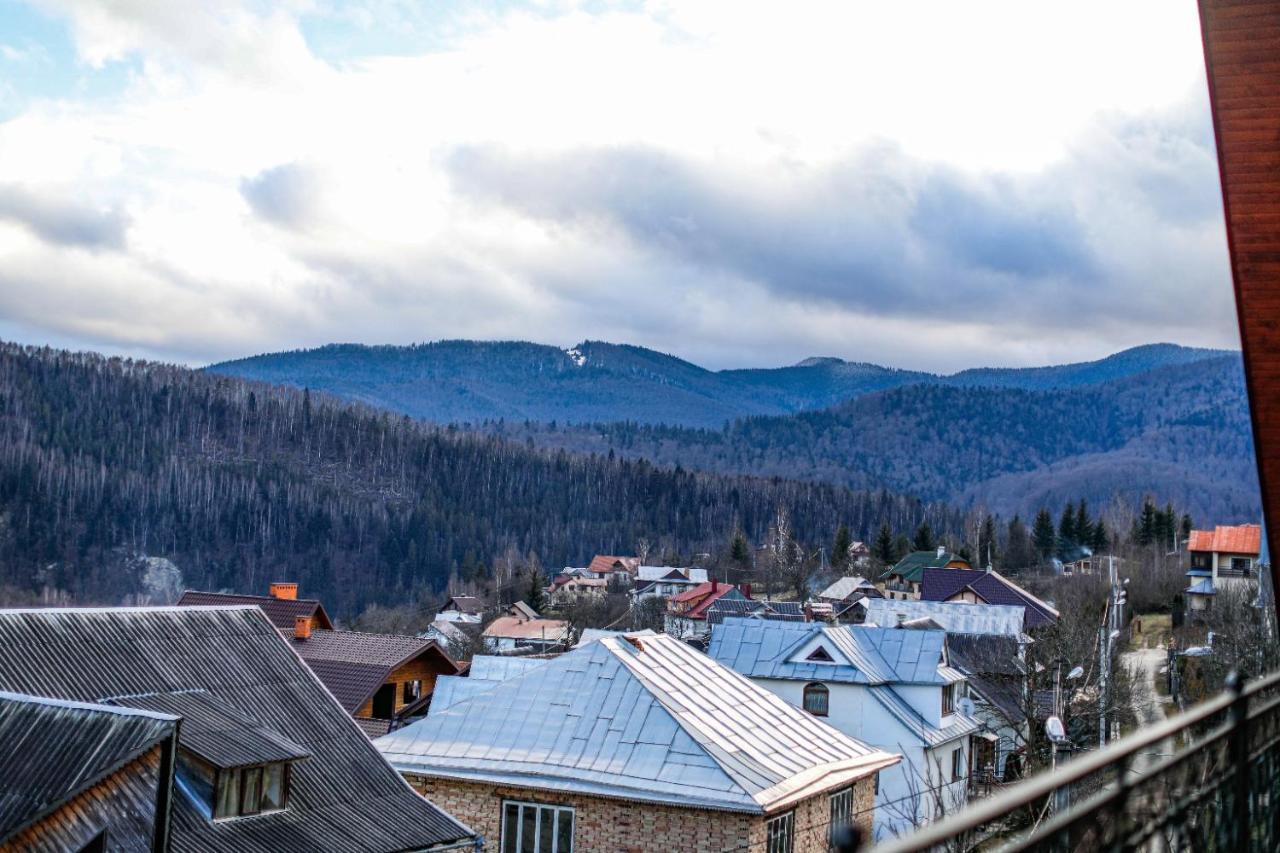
x=924 y=184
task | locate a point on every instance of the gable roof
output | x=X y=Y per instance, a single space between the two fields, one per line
x=788 y=611
x=704 y=596
x=55 y=750
x=353 y=664
x=845 y=587
x=238 y=657
x=522 y=610
x=1226 y=539
x=985 y=654
x=991 y=587
x=646 y=719
x=468 y=604
x=281 y=611
x=518 y=628
x=605 y=563
x=910 y=567
x=953 y=617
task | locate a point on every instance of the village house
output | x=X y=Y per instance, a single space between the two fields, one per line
x=903 y=580
x=461 y=608
x=986 y=587
x=267 y=761
x=86 y=777
x=574 y=588
x=890 y=687
x=606 y=566
x=380 y=679
x=1226 y=554
x=638 y=743
x=686 y=614
x=751 y=608
x=665 y=581
x=522 y=631
x=847 y=591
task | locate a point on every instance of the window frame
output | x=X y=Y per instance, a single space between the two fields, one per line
x=411 y=691
x=840 y=807
x=237 y=777
x=780 y=833
x=816 y=688
x=557 y=833
x=957 y=764
x=949 y=699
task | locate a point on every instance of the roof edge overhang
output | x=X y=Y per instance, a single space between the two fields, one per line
x=822 y=778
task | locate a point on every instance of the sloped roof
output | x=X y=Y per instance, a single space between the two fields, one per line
x=991 y=587
x=673 y=574
x=1228 y=539
x=522 y=610
x=54 y=749
x=240 y=658
x=216 y=732
x=354 y=664
x=603 y=563
x=845 y=587
x=516 y=628
x=648 y=719
x=468 y=604
x=910 y=567
x=988 y=654
x=1204 y=587
x=1002 y=619
x=590 y=635
x=281 y=611
x=787 y=611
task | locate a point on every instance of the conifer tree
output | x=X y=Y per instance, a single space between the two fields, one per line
x=1100 y=540
x=883 y=549
x=923 y=540
x=1019 y=553
x=1066 y=529
x=738 y=550
x=987 y=555
x=1146 y=524
x=1084 y=526
x=1043 y=534
x=533 y=594
x=840 y=549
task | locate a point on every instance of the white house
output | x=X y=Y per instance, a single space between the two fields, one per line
x=890 y=687
x=461 y=608
x=666 y=581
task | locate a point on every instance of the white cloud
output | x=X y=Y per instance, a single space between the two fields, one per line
x=274 y=200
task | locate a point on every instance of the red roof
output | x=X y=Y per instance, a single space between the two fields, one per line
x=605 y=563
x=281 y=611
x=1226 y=539
x=705 y=594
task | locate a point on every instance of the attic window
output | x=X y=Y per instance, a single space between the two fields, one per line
x=817 y=699
x=246 y=791
x=821 y=654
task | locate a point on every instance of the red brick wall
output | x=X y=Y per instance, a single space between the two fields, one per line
x=605 y=825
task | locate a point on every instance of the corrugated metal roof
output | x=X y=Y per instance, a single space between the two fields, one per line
x=1001 y=619
x=659 y=723
x=51 y=750
x=1204 y=587
x=1228 y=539
x=845 y=587
x=991 y=587
x=217 y=733
x=787 y=611
x=502 y=667
x=344 y=798
x=518 y=628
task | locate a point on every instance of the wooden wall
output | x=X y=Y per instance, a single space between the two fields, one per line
x=1242 y=56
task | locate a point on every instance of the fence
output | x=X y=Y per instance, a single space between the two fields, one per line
x=1205 y=780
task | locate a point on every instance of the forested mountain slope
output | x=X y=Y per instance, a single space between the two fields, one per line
x=471 y=381
x=105 y=461
x=1179 y=432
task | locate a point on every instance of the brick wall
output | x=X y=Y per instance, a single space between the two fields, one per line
x=619 y=826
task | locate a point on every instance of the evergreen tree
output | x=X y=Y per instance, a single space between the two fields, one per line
x=1066 y=529
x=1100 y=540
x=923 y=540
x=1043 y=534
x=1147 y=523
x=1184 y=529
x=1170 y=528
x=883 y=549
x=840 y=548
x=738 y=550
x=1019 y=552
x=533 y=593
x=1084 y=526
x=987 y=555
x=901 y=547
x=965 y=554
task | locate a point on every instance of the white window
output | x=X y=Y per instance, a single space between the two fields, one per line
x=948 y=699
x=957 y=765
x=536 y=828
x=779 y=833
x=841 y=813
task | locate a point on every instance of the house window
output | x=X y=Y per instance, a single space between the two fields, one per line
x=817 y=699
x=841 y=814
x=247 y=791
x=536 y=828
x=948 y=699
x=957 y=765
x=821 y=655
x=877 y=784
x=412 y=691
x=779 y=833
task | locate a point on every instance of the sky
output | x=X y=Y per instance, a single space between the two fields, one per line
x=928 y=185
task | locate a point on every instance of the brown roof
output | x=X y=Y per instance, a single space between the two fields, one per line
x=603 y=563
x=464 y=604
x=281 y=611
x=527 y=629
x=353 y=665
x=1226 y=539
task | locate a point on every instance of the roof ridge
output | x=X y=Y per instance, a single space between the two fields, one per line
x=97 y=707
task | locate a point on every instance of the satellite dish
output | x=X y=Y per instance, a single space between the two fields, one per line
x=1054 y=729
x=965 y=704
x=1075 y=673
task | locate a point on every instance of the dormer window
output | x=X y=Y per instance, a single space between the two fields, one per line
x=948 y=700
x=247 y=791
x=820 y=655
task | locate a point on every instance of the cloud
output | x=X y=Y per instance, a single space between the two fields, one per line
x=56 y=218
x=287 y=195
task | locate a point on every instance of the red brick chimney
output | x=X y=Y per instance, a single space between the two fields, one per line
x=284 y=591
x=302 y=628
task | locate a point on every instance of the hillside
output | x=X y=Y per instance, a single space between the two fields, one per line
x=110 y=467
x=469 y=381
x=1179 y=432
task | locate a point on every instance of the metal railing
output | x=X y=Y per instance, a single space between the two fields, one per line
x=1207 y=779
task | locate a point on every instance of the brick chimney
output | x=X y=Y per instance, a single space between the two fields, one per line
x=746 y=590
x=302 y=628
x=284 y=591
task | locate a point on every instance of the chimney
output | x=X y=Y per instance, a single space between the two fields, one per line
x=746 y=590
x=302 y=628
x=902 y=618
x=808 y=612
x=941 y=551
x=284 y=591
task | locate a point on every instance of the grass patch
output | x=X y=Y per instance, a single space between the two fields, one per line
x=1156 y=629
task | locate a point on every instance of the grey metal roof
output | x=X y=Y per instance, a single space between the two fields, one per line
x=344 y=797
x=642 y=719
x=1204 y=587
x=216 y=732
x=953 y=617
x=51 y=750
x=845 y=587
x=502 y=667
x=787 y=611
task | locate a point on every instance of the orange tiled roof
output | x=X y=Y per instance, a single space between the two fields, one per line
x=603 y=563
x=1227 y=539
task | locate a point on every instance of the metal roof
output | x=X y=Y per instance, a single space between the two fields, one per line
x=1204 y=587
x=992 y=587
x=281 y=611
x=54 y=749
x=344 y=797
x=518 y=628
x=216 y=732
x=1002 y=619
x=789 y=611
x=502 y=667
x=845 y=587
x=641 y=719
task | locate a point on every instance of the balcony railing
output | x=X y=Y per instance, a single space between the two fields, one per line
x=1205 y=780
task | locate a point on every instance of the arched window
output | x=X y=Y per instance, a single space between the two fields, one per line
x=816 y=699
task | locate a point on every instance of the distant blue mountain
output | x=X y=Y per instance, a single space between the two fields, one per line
x=596 y=382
